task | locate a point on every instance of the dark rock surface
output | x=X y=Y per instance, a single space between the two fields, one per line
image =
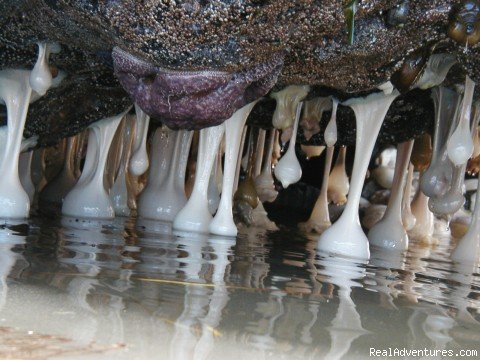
x=233 y=36
x=410 y=115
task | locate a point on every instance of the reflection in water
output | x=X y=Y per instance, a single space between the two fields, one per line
x=436 y=327
x=219 y=250
x=8 y=239
x=203 y=306
x=388 y=263
x=432 y=323
x=270 y=311
x=142 y=289
x=91 y=249
x=346 y=327
x=462 y=276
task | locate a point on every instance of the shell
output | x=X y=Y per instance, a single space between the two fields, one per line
x=397 y=16
x=422 y=152
x=246 y=193
x=464 y=24
x=411 y=70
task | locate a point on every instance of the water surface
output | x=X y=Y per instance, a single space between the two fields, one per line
x=133 y=289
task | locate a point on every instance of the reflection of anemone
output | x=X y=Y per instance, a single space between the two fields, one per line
x=464 y=25
x=8 y=258
x=193 y=99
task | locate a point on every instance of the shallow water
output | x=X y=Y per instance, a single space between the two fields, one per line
x=127 y=289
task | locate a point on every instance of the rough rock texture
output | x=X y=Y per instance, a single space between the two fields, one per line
x=67 y=110
x=234 y=35
x=89 y=91
x=231 y=37
x=410 y=115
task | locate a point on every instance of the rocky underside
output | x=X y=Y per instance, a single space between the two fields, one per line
x=241 y=48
